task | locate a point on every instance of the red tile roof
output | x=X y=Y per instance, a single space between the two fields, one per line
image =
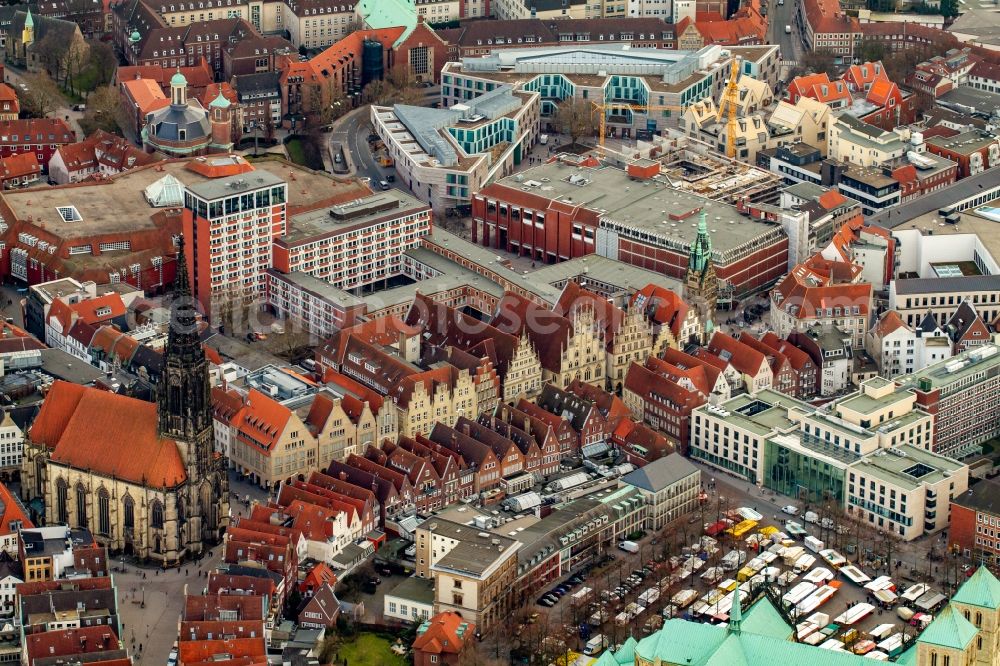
x=8 y=94
x=817 y=284
x=744 y=358
x=42 y=130
x=199 y=607
x=262 y=421
x=239 y=584
x=446 y=633
x=204 y=650
x=202 y=630
x=11 y=510
x=663 y=306
x=882 y=91
x=198 y=76
x=548 y=331
x=863 y=75
x=86 y=584
x=607 y=314
x=658 y=382
x=122 y=443
x=694 y=368
x=318 y=576
x=889 y=321
x=19 y=166
x=826 y=16
x=798 y=358
x=212 y=91
x=67 y=642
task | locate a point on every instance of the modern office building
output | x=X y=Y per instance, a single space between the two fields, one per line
x=231 y=224
x=905 y=490
x=560 y=211
x=962 y=394
x=445 y=155
x=354 y=243
x=617 y=78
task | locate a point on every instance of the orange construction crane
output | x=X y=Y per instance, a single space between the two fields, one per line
x=731 y=98
x=602 y=110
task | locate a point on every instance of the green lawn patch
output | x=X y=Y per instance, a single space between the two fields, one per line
x=304 y=152
x=368 y=650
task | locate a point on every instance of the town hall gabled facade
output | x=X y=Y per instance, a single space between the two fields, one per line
x=143 y=478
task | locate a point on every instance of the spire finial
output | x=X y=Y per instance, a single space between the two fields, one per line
x=736 y=613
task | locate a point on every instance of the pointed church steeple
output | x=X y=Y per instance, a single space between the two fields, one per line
x=701 y=285
x=701 y=248
x=184 y=395
x=736 y=613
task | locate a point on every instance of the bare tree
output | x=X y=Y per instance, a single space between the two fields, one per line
x=105 y=111
x=42 y=97
x=51 y=52
x=819 y=61
x=398 y=77
x=575 y=117
x=74 y=62
x=376 y=92
x=289 y=342
x=105 y=60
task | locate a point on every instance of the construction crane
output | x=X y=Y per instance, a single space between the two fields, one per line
x=731 y=98
x=602 y=109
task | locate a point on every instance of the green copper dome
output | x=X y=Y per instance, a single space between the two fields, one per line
x=135 y=37
x=220 y=102
x=178 y=80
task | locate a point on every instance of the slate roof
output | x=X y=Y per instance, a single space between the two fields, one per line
x=661 y=473
x=171 y=120
x=257 y=84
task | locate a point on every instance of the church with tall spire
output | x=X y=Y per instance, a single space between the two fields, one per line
x=143 y=477
x=701 y=287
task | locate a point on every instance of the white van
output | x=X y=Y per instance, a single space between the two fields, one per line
x=595 y=645
x=543 y=139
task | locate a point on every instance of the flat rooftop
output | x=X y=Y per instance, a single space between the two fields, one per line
x=319 y=288
x=594 y=268
x=969 y=142
x=592 y=65
x=762 y=413
x=488 y=259
x=973 y=99
x=908 y=471
x=416 y=589
x=864 y=403
x=956 y=369
x=117 y=205
x=476 y=551
x=649 y=206
x=218 y=188
x=332 y=220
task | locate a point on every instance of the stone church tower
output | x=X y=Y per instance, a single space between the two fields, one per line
x=185 y=416
x=701 y=289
